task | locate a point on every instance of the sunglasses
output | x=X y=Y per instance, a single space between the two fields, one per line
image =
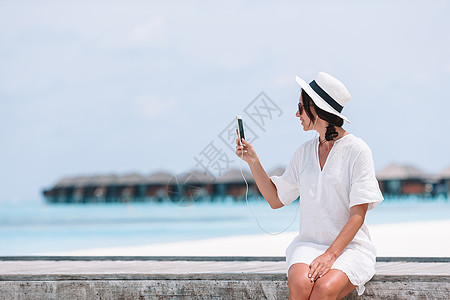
x=301 y=107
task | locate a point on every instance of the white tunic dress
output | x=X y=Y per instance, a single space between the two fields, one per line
x=347 y=179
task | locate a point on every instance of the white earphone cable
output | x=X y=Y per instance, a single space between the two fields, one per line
x=253 y=213
x=316 y=154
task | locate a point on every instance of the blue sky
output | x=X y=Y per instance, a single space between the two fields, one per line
x=95 y=87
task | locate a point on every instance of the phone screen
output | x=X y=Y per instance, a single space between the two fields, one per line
x=241 y=129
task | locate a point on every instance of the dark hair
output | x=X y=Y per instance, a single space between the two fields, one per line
x=333 y=120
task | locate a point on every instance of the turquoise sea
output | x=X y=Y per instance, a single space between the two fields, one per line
x=37 y=228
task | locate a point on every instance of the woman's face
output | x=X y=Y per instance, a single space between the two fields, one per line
x=307 y=123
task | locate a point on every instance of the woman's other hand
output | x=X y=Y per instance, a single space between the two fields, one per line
x=321 y=265
x=245 y=150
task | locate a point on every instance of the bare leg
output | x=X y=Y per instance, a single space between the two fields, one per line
x=334 y=285
x=300 y=286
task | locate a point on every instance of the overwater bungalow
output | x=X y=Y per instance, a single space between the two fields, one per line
x=442 y=186
x=157 y=187
x=79 y=189
x=232 y=184
x=191 y=187
x=107 y=188
x=394 y=180
x=399 y=180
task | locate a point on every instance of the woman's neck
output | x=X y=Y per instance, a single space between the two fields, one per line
x=322 y=141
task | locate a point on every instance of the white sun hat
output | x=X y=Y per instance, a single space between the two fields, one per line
x=327 y=92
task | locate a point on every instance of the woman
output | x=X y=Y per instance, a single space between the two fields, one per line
x=334 y=176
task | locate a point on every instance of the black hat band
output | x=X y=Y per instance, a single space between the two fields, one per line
x=325 y=96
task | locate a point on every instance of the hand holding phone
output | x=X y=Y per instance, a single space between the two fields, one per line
x=244 y=149
x=240 y=128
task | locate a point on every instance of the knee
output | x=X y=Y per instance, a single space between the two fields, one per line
x=299 y=282
x=326 y=289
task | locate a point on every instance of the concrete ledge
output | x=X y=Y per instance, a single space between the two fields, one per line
x=215 y=278
x=406 y=287
x=145 y=289
x=145 y=258
x=207 y=287
x=200 y=258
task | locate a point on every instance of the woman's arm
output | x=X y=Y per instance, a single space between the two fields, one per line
x=265 y=185
x=322 y=264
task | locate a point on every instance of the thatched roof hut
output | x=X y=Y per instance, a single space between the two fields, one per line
x=400 y=172
x=130 y=179
x=105 y=180
x=65 y=182
x=84 y=181
x=234 y=176
x=159 y=178
x=195 y=177
x=445 y=174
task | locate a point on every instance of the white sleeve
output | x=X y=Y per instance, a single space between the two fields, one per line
x=287 y=184
x=364 y=186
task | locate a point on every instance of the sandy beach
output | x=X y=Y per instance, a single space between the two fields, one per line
x=426 y=238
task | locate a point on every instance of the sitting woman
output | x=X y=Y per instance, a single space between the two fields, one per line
x=334 y=176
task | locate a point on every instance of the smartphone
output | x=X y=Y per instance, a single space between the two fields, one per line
x=240 y=127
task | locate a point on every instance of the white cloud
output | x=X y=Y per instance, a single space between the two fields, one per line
x=153 y=108
x=283 y=81
x=149 y=32
x=153 y=33
x=447 y=67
